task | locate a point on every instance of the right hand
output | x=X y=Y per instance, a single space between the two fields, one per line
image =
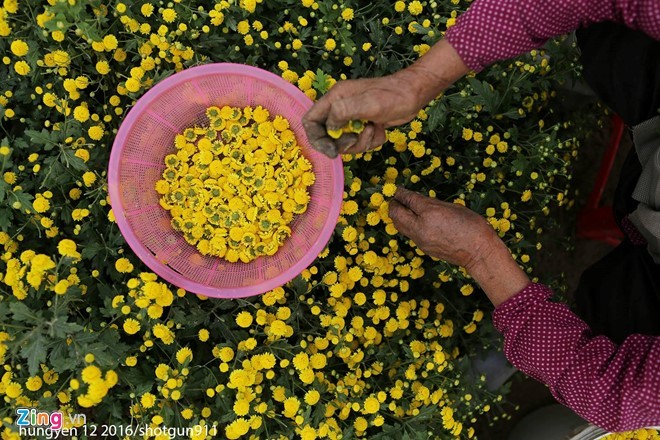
x=384 y=102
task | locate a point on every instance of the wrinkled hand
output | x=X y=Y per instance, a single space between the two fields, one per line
x=443 y=230
x=384 y=102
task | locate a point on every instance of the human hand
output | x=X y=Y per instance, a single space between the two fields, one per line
x=447 y=231
x=459 y=236
x=384 y=102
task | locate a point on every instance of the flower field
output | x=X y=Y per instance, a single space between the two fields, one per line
x=374 y=340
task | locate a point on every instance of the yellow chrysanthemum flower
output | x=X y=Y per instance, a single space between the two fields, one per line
x=103 y=67
x=147 y=9
x=110 y=42
x=330 y=44
x=41 y=204
x=147 y=400
x=95 y=132
x=81 y=113
x=347 y=14
x=22 y=68
x=184 y=354
x=169 y=15
x=131 y=326
x=244 y=319
x=19 y=48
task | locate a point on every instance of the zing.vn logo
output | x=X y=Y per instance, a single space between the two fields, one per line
x=53 y=420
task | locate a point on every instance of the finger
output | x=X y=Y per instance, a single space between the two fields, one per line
x=416 y=202
x=364 y=141
x=327 y=146
x=343 y=110
x=321 y=108
x=379 y=136
x=314 y=130
x=352 y=149
x=404 y=219
x=321 y=142
x=319 y=139
x=345 y=142
x=319 y=111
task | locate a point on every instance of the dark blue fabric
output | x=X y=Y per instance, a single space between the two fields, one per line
x=620 y=294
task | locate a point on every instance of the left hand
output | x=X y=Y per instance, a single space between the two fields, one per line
x=459 y=236
x=443 y=230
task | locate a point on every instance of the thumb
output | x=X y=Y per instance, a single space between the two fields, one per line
x=414 y=201
x=405 y=220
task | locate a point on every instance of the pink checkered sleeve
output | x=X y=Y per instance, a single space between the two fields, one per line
x=614 y=387
x=493 y=30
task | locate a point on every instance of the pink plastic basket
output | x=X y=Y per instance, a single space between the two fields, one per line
x=137 y=161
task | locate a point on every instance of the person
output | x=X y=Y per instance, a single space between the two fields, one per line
x=605 y=363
